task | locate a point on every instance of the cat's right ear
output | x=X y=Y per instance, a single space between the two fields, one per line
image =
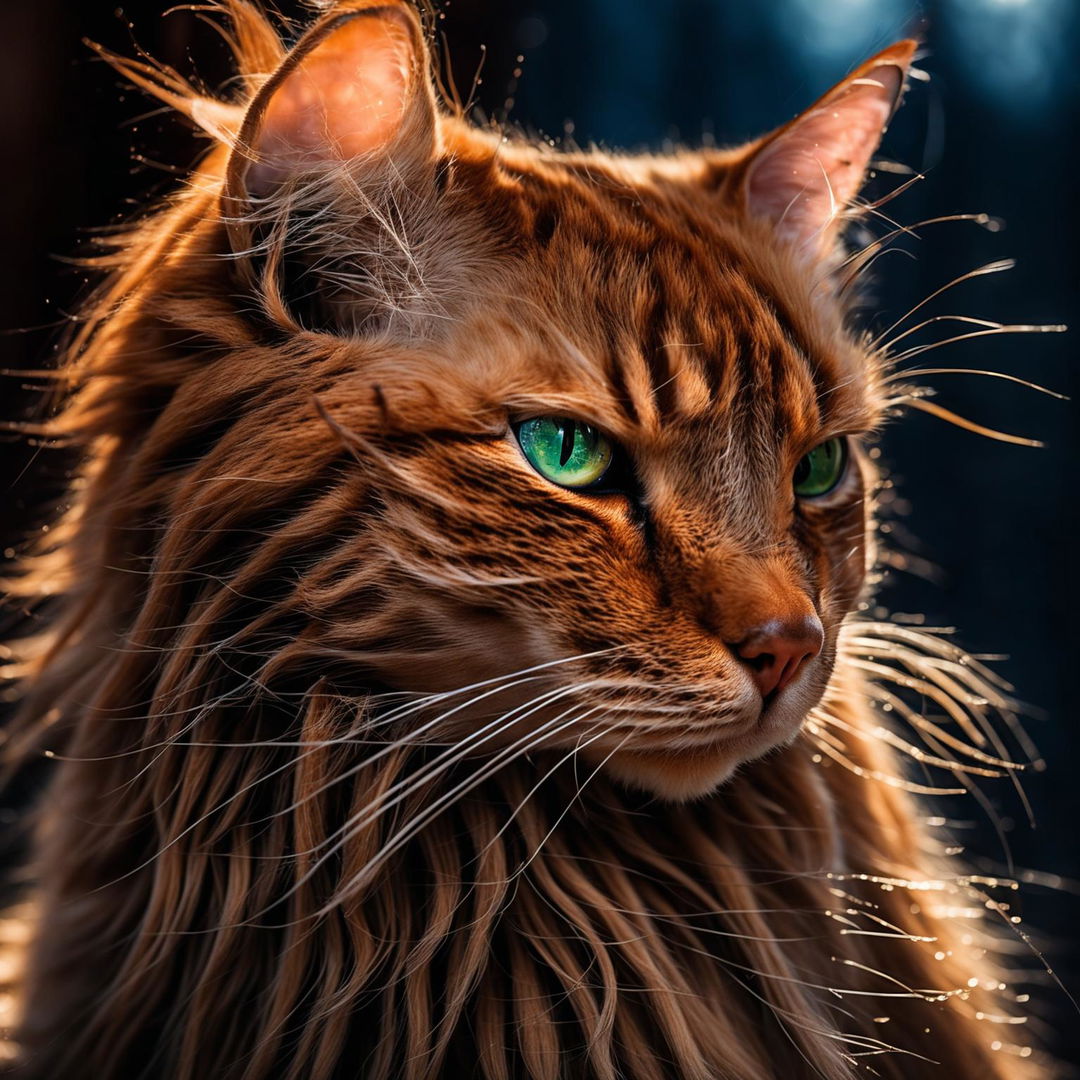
x=354 y=93
x=802 y=178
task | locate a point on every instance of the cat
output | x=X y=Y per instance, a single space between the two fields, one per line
x=456 y=667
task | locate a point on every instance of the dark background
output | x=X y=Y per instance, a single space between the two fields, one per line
x=992 y=527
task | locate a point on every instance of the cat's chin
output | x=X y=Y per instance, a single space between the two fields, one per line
x=677 y=776
x=680 y=774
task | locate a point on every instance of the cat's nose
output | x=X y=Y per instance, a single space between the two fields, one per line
x=777 y=651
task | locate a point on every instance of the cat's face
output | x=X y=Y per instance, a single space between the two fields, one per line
x=609 y=416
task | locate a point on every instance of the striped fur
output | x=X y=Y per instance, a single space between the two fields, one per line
x=360 y=726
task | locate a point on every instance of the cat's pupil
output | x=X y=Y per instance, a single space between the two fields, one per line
x=569 y=437
x=572 y=432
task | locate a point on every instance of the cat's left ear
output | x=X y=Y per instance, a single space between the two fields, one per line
x=805 y=175
x=355 y=91
x=333 y=180
x=354 y=87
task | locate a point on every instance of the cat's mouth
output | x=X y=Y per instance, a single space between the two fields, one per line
x=783 y=707
x=677 y=738
x=687 y=763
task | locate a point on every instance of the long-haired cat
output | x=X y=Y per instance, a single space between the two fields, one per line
x=453 y=667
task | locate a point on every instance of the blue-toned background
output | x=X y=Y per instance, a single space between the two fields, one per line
x=993 y=527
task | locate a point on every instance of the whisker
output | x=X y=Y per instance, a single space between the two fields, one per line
x=442 y=762
x=913 y=372
x=577 y=794
x=996 y=267
x=289 y=765
x=993 y=331
x=516 y=750
x=922 y=405
x=859 y=260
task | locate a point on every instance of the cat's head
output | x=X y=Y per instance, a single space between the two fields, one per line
x=583 y=430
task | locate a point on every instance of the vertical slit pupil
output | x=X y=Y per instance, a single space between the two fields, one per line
x=569 y=437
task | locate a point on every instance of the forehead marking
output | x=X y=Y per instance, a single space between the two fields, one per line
x=699 y=331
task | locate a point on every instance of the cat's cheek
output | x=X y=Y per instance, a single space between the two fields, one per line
x=849 y=568
x=838 y=553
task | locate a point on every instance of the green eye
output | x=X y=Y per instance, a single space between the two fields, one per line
x=566 y=452
x=822 y=469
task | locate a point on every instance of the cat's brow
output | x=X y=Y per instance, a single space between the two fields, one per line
x=839 y=388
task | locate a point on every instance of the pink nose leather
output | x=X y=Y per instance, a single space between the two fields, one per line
x=777 y=651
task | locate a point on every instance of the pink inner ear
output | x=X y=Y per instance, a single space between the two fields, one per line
x=346 y=98
x=811 y=172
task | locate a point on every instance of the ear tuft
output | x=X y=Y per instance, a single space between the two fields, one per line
x=804 y=176
x=218 y=119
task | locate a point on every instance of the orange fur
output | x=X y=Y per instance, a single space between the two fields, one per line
x=281 y=841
